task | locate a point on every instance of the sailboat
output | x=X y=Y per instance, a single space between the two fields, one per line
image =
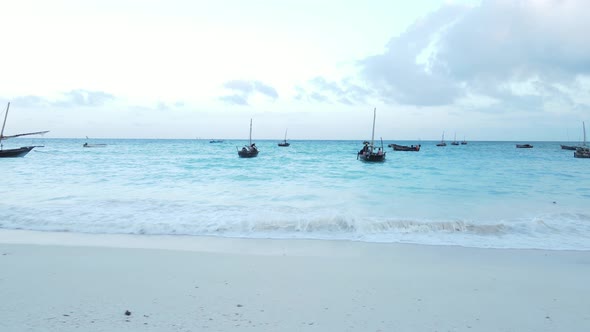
x=367 y=153
x=18 y=152
x=442 y=141
x=463 y=142
x=93 y=145
x=455 y=140
x=250 y=150
x=583 y=151
x=575 y=147
x=285 y=143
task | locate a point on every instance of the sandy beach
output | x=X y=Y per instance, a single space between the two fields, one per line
x=82 y=282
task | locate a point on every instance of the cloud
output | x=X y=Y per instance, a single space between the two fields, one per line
x=73 y=98
x=324 y=91
x=243 y=90
x=80 y=97
x=525 y=53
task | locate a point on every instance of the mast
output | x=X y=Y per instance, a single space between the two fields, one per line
x=583 y=127
x=250 y=139
x=4 y=123
x=373 y=134
x=286 y=135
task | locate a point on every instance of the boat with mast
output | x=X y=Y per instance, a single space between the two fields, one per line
x=367 y=153
x=463 y=142
x=93 y=145
x=583 y=151
x=250 y=150
x=17 y=152
x=284 y=142
x=442 y=140
x=455 y=140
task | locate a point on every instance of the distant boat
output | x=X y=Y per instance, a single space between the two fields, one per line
x=455 y=141
x=284 y=142
x=583 y=151
x=442 y=140
x=463 y=142
x=94 y=145
x=250 y=150
x=524 y=146
x=367 y=153
x=17 y=152
x=397 y=147
x=575 y=147
x=216 y=141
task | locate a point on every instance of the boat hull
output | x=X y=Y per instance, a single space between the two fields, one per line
x=569 y=147
x=14 y=153
x=372 y=157
x=284 y=144
x=582 y=153
x=396 y=147
x=524 y=146
x=247 y=153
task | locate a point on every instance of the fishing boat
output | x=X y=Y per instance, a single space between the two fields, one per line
x=454 y=142
x=442 y=140
x=216 y=141
x=367 y=153
x=397 y=147
x=284 y=142
x=17 y=152
x=524 y=146
x=463 y=142
x=250 y=150
x=575 y=147
x=93 y=145
x=583 y=151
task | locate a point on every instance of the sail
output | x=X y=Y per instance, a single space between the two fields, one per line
x=2 y=137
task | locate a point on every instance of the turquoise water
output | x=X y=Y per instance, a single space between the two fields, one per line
x=484 y=194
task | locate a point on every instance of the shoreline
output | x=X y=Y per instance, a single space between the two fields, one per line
x=72 y=282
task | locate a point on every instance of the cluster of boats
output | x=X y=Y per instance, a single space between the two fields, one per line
x=369 y=152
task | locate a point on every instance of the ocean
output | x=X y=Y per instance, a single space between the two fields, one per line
x=483 y=194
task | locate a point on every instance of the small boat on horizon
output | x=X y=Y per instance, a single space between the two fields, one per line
x=216 y=141
x=16 y=152
x=463 y=142
x=455 y=141
x=93 y=145
x=524 y=146
x=250 y=150
x=284 y=142
x=582 y=151
x=397 y=147
x=367 y=153
x=442 y=140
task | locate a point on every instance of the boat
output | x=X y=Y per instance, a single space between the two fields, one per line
x=524 y=146
x=216 y=141
x=250 y=150
x=582 y=151
x=454 y=142
x=93 y=145
x=463 y=142
x=569 y=147
x=397 y=147
x=284 y=142
x=442 y=141
x=575 y=147
x=367 y=153
x=17 y=152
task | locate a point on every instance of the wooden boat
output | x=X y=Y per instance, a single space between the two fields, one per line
x=442 y=141
x=582 y=151
x=284 y=142
x=455 y=141
x=524 y=146
x=250 y=150
x=367 y=153
x=93 y=145
x=569 y=147
x=17 y=152
x=397 y=147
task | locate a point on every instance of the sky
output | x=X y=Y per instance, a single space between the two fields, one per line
x=483 y=70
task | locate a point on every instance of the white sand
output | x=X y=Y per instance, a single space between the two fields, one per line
x=75 y=282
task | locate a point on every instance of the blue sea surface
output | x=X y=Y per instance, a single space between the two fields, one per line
x=483 y=194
